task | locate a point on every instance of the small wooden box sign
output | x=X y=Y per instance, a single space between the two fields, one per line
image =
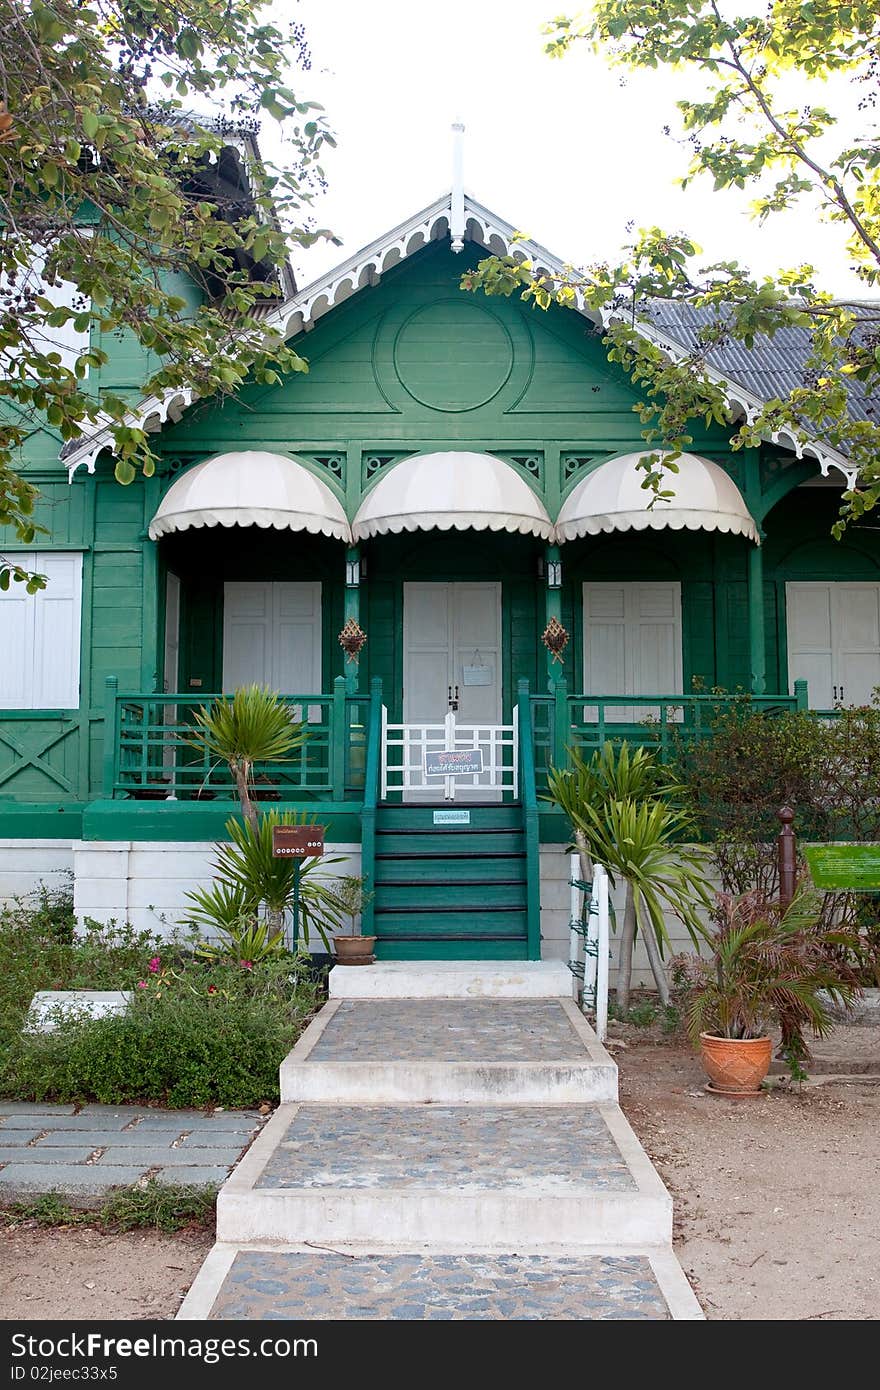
x=462 y=762
x=297 y=841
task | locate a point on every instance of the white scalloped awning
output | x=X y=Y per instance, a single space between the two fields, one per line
x=612 y=499
x=452 y=491
x=251 y=489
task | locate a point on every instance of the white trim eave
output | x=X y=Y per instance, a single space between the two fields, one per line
x=366 y=267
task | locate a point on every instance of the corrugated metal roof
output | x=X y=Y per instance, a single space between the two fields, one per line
x=771 y=369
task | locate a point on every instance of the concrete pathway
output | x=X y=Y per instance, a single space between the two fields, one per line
x=445 y=1158
x=50 y=1148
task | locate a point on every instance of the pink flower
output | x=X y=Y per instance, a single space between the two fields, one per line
x=155 y=965
x=142 y=984
x=247 y=965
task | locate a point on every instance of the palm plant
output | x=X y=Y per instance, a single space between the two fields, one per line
x=622 y=808
x=253 y=725
x=250 y=881
x=771 y=968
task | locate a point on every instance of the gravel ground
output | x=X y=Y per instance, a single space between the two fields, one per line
x=78 y=1273
x=777 y=1203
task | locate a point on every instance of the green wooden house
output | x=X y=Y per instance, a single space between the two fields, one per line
x=434 y=543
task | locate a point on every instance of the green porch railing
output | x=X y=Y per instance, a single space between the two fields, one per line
x=561 y=720
x=151 y=749
x=371 y=799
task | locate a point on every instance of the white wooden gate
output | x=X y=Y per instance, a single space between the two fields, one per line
x=405 y=747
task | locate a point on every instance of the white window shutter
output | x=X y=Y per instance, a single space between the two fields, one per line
x=40 y=636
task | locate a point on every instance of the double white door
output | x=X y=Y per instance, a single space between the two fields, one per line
x=451 y=692
x=834 y=641
x=272 y=636
x=452 y=652
x=632 y=645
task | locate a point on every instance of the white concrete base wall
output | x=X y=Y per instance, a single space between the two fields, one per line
x=555 y=915
x=25 y=864
x=145 y=882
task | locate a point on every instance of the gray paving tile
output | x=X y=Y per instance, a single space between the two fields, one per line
x=539 y=1147
x=286 y=1285
x=29 y=1107
x=440 y=1030
x=64 y=1177
x=206 y=1176
x=125 y=1138
x=68 y=1122
x=144 y=1156
x=33 y=1119
x=17 y=1138
x=38 y=1155
x=96 y=1138
x=221 y=1138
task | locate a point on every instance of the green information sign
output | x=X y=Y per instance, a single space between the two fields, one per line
x=849 y=866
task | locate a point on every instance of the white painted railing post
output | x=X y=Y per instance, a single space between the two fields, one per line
x=600 y=881
x=384 y=752
x=449 y=782
x=574 y=936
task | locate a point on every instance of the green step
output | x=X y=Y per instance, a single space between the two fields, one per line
x=452 y=950
x=442 y=842
x=498 y=816
x=474 y=921
x=467 y=868
x=419 y=896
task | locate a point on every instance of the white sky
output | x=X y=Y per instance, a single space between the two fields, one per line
x=568 y=151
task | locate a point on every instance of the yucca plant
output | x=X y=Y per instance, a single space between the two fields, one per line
x=253 y=725
x=250 y=882
x=622 y=808
x=771 y=968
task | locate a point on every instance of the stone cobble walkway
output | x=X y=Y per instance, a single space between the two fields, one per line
x=442 y=1030
x=406 y=1287
x=85 y=1153
x=414 y=1145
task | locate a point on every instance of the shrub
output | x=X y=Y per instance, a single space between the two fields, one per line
x=39 y=951
x=197 y=1032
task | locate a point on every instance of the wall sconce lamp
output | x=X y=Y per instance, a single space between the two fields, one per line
x=554 y=574
x=352 y=574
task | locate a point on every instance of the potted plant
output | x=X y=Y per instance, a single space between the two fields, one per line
x=768 y=970
x=351 y=947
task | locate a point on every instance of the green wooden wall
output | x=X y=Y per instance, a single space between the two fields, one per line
x=410 y=365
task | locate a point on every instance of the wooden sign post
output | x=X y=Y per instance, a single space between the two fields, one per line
x=297 y=842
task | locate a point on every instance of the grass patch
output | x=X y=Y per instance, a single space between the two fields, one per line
x=153 y=1207
x=198 y=1032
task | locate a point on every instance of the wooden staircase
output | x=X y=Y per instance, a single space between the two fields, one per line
x=451 y=891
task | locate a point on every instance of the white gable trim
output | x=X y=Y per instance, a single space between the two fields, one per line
x=366 y=267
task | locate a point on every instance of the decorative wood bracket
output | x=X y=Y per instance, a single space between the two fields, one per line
x=555 y=639
x=351 y=639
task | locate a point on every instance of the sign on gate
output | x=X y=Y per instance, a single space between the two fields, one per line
x=462 y=762
x=297 y=841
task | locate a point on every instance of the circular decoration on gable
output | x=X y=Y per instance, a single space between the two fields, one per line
x=453 y=355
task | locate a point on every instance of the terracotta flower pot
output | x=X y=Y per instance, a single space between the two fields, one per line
x=355 y=950
x=735 y=1066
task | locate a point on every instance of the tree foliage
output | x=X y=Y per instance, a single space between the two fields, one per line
x=111 y=179
x=745 y=132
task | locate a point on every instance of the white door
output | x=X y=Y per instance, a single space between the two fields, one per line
x=632 y=645
x=452 y=643
x=452 y=639
x=272 y=636
x=834 y=641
